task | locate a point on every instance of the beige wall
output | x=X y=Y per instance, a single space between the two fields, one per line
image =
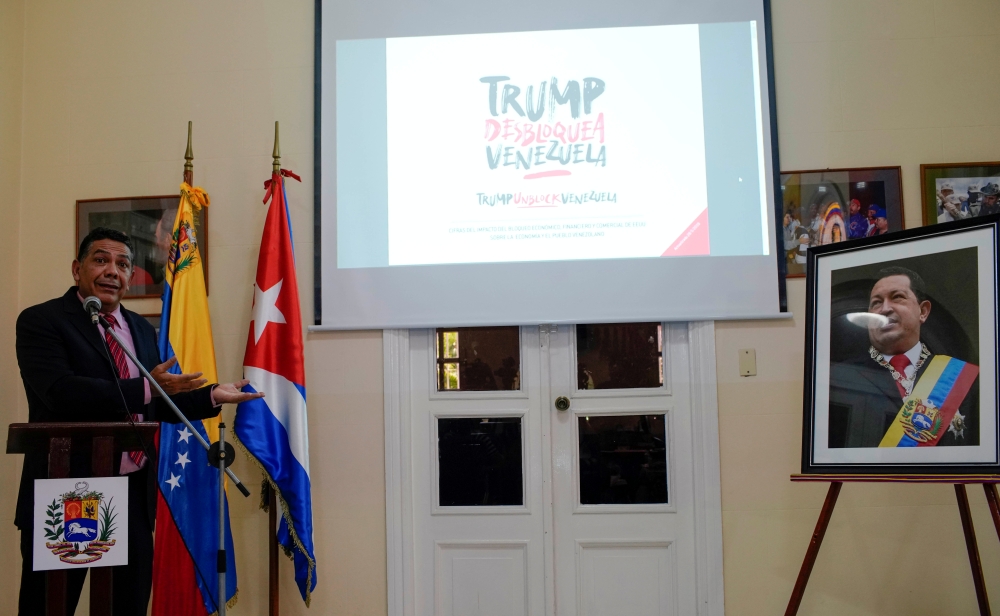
x=11 y=78
x=858 y=83
x=107 y=90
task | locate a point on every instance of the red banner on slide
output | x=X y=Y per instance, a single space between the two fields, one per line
x=694 y=240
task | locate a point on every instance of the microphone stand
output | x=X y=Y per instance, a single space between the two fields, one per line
x=220 y=453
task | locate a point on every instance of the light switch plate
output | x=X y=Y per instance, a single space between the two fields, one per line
x=748 y=362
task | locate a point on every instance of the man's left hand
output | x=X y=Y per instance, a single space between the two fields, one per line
x=229 y=393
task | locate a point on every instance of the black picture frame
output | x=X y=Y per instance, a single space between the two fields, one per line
x=958 y=264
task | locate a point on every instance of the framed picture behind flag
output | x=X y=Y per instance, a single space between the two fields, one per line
x=149 y=222
x=959 y=191
x=826 y=206
x=901 y=353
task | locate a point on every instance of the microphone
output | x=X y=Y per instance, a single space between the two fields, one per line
x=93 y=306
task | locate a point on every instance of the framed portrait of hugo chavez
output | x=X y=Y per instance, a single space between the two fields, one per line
x=901 y=353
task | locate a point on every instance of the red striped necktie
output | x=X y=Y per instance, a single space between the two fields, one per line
x=121 y=366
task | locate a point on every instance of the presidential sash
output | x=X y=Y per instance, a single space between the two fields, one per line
x=929 y=409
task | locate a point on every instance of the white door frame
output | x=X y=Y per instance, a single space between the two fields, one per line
x=705 y=465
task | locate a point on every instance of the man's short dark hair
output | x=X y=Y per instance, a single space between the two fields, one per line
x=916 y=282
x=104 y=233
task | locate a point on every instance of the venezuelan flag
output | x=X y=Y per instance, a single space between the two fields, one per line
x=184 y=554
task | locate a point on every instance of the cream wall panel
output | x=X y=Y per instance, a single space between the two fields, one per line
x=11 y=397
x=108 y=90
x=860 y=83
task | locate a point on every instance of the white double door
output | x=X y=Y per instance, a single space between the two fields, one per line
x=581 y=537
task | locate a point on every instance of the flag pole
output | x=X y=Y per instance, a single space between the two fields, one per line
x=272 y=509
x=202 y=217
x=220 y=453
x=276 y=154
x=272 y=552
x=188 y=158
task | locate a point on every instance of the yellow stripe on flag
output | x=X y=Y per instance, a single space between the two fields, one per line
x=920 y=391
x=190 y=324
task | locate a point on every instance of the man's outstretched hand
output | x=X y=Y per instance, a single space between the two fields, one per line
x=176 y=383
x=225 y=393
x=229 y=393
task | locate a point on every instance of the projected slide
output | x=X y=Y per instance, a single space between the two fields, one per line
x=545 y=145
x=535 y=146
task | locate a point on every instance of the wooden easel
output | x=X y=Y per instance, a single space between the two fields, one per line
x=837 y=481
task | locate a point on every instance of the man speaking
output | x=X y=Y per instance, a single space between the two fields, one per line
x=902 y=394
x=74 y=371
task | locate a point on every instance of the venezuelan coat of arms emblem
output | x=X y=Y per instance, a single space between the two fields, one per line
x=183 y=248
x=81 y=523
x=82 y=526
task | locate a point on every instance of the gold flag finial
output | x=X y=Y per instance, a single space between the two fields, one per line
x=277 y=150
x=188 y=158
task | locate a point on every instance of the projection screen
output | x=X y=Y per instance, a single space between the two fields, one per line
x=560 y=162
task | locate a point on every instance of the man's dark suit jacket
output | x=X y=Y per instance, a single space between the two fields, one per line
x=864 y=401
x=68 y=377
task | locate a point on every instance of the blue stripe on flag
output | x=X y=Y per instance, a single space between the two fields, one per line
x=194 y=505
x=190 y=487
x=945 y=382
x=163 y=340
x=299 y=560
x=264 y=436
x=288 y=218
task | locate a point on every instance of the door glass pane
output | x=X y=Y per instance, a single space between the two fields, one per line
x=478 y=358
x=623 y=459
x=479 y=461
x=619 y=355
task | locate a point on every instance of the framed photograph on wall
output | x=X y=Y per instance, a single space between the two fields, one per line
x=149 y=222
x=826 y=206
x=154 y=320
x=958 y=191
x=901 y=353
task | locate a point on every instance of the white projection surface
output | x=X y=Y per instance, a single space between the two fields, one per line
x=539 y=186
x=558 y=169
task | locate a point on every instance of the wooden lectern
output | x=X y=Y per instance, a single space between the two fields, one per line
x=108 y=441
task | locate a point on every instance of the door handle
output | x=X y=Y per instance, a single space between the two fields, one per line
x=562 y=403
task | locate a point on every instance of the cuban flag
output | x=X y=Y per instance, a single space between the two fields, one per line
x=274 y=430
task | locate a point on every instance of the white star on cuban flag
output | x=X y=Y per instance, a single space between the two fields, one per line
x=265 y=309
